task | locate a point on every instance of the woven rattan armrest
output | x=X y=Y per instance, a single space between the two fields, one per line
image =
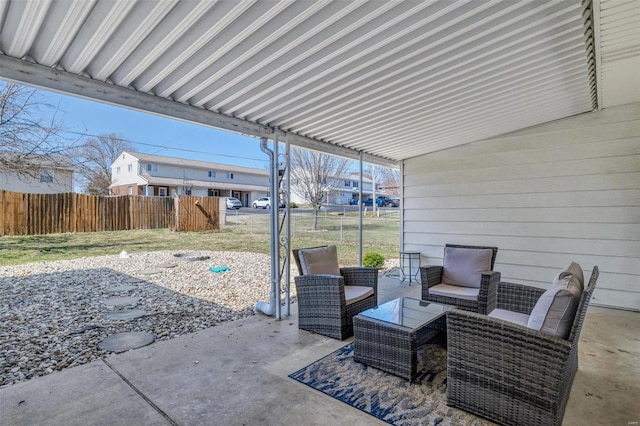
x=325 y=289
x=430 y=275
x=517 y=297
x=498 y=351
x=361 y=276
x=487 y=297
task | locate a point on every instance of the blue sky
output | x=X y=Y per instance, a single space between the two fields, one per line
x=172 y=138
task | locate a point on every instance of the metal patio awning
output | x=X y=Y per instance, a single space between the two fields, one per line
x=390 y=79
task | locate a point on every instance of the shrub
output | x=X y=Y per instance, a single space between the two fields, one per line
x=374 y=260
x=293 y=205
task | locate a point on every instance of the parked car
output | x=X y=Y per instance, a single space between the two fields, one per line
x=396 y=202
x=384 y=201
x=233 y=203
x=265 y=203
x=381 y=201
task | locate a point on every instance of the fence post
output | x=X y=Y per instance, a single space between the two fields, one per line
x=176 y=208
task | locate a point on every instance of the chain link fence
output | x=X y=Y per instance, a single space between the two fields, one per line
x=380 y=233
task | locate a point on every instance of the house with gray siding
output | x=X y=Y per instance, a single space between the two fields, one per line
x=43 y=175
x=341 y=191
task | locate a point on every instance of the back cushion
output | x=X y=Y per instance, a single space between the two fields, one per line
x=575 y=270
x=555 y=310
x=463 y=266
x=321 y=260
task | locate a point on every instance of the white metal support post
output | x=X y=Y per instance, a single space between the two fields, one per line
x=360 y=204
x=275 y=223
x=402 y=205
x=374 y=204
x=287 y=241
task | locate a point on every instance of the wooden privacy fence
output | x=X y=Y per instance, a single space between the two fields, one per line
x=33 y=214
x=197 y=213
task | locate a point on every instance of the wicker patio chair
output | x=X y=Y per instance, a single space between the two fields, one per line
x=476 y=296
x=327 y=303
x=510 y=373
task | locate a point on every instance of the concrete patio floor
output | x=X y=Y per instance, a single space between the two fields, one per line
x=236 y=374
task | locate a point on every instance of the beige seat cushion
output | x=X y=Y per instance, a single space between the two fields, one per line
x=320 y=260
x=446 y=290
x=464 y=266
x=356 y=293
x=554 y=312
x=515 y=317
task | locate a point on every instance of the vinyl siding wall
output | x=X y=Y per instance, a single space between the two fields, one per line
x=180 y=172
x=563 y=191
x=62 y=182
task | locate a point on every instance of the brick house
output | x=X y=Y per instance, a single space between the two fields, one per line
x=155 y=175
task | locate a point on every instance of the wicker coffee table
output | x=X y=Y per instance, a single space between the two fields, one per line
x=388 y=337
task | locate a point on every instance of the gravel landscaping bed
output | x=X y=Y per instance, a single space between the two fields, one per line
x=52 y=313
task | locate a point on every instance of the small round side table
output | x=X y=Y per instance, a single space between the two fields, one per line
x=410 y=265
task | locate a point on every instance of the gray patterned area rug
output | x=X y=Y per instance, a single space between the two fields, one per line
x=385 y=396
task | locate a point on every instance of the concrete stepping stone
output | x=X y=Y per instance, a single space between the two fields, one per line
x=121 y=301
x=122 y=342
x=125 y=314
x=167 y=265
x=133 y=280
x=150 y=272
x=120 y=289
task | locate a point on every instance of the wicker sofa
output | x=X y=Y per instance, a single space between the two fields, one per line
x=510 y=373
x=478 y=294
x=327 y=302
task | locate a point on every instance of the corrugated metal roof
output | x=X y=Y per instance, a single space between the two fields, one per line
x=619 y=73
x=390 y=79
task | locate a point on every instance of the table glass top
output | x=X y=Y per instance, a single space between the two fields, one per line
x=407 y=312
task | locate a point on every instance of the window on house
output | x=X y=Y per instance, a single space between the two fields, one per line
x=355 y=184
x=152 y=167
x=212 y=173
x=162 y=191
x=213 y=192
x=130 y=190
x=347 y=183
x=46 y=176
x=229 y=175
x=130 y=167
x=117 y=169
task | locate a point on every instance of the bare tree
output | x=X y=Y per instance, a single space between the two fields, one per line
x=314 y=177
x=390 y=179
x=30 y=132
x=94 y=159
